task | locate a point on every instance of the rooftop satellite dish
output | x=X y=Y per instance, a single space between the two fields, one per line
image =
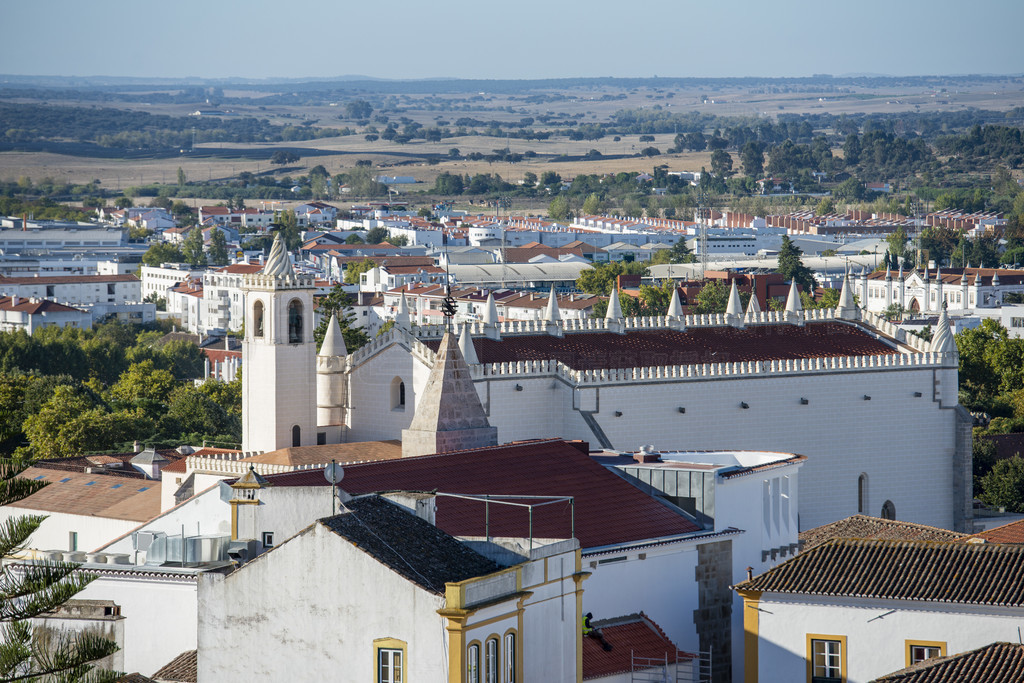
x=334 y=473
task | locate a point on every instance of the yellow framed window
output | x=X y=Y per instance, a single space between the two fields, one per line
x=921 y=650
x=826 y=658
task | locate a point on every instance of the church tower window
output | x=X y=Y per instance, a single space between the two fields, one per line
x=257 y=319
x=296 y=436
x=295 y=322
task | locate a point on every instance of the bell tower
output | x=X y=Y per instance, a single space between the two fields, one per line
x=278 y=356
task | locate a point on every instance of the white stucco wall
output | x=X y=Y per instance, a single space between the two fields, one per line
x=54 y=532
x=159 y=611
x=203 y=514
x=875 y=646
x=317 y=604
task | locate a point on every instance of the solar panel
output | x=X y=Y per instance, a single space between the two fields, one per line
x=64 y=480
x=90 y=483
x=144 y=488
x=117 y=486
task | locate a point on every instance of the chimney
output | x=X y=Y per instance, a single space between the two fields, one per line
x=750 y=573
x=647 y=454
x=15 y=300
x=137 y=447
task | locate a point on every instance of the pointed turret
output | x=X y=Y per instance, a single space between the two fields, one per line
x=614 y=311
x=402 y=314
x=279 y=263
x=734 y=309
x=794 y=309
x=942 y=337
x=449 y=415
x=888 y=272
x=334 y=340
x=551 y=312
x=466 y=346
x=847 y=306
x=490 y=316
x=753 y=307
x=675 y=309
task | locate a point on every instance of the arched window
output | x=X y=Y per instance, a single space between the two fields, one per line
x=397 y=394
x=491 y=661
x=509 y=658
x=888 y=510
x=296 y=436
x=257 y=319
x=473 y=664
x=862 y=493
x=295 y=322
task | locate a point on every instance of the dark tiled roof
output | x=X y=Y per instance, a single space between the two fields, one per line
x=995 y=663
x=608 y=509
x=181 y=669
x=410 y=546
x=862 y=526
x=593 y=351
x=967 y=573
x=108 y=461
x=634 y=634
x=135 y=678
x=1007 y=533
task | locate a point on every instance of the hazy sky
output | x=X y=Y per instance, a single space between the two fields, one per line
x=516 y=39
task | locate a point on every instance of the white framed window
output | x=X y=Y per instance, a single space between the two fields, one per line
x=826 y=662
x=268 y=539
x=491 y=661
x=919 y=653
x=509 y=659
x=473 y=664
x=389 y=665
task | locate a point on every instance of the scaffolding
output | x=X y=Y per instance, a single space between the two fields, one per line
x=683 y=668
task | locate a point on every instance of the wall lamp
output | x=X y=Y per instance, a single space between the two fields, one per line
x=804 y=401
x=744 y=405
x=866 y=397
x=519 y=387
x=618 y=413
x=682 y=409
x=918 y=394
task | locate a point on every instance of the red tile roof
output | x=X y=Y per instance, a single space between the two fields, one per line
x=608 y=510
x=34 y=306
x=593 y=351
x=863 y=526
x=1007 y=533
x=631 y=635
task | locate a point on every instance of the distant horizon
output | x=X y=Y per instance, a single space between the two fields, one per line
x=530 y=40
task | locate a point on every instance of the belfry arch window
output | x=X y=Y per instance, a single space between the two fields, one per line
x=296 y=436
x=397 y=394
x=295 y=322
x=862 y=494
x=257 y=319
x=888 y=510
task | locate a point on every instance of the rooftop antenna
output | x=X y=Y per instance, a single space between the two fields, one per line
x=448 y=304
x=702 y=198
x=334 y=473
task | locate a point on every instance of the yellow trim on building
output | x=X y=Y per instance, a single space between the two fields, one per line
x=811 y=637
x=908 y=644
x=389 y=644
x=751 y=623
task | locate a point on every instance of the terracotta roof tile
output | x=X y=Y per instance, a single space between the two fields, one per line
x=1007 y=533
x=182 y=669
x=634 y=634
x=995 y=663
x=965 y=573
x=360 y=451
x=96 y=495
x=34 y=306
x=601 y=350
x=862 y=526
x=543 y=468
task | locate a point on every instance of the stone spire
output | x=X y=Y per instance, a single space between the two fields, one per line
x=942 y=337
x=753 y=308
x=614 y=311
x=888 y=272
x=279 y=263
x=734 y=307
x=449 y=415
x=334 y=341
x=551 y=312
x=793 y=304
x=402 y=314
x=675 y=309
x=466 y=346
x=490 y=315
x=847 y=306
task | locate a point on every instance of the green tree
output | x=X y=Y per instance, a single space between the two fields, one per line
x=354 y=239
x=679 y=253
x=144 y=380
x=897 y=241
x=339 y=303
x=354 y=270
x=601 y=278
x=592 y=205
x=376 y=235
x=218 y=248
x=358 y=109
x=713 y=297
x=752 y=158
x=162 y=252
x=181 y=177
x=825 y=207
x=193 y=247
x=32 y=590
x=792 y=267
x=558 y=209
x=721 y=163
x=282 y=157
x=1003 y=486
x=286 y=221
